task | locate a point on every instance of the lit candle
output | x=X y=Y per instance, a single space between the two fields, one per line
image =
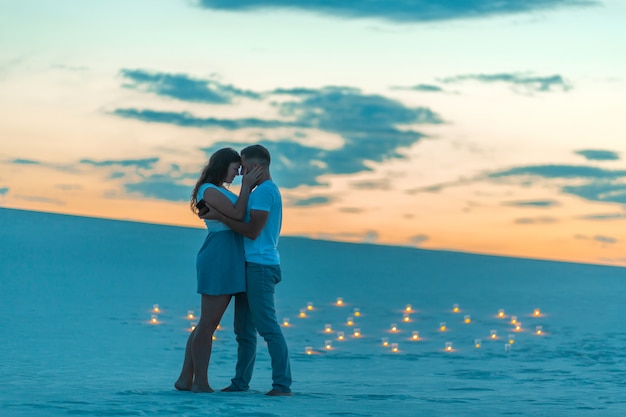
x=455 y=308
x=406 y=318
x=153 y=319
x=190 y=315
x=501 y=314
x=477 y=343
x=408 y=308
x=394 y=327
x=308 y=350
x=518 y=327
x=350 y=321
x=448 y=346
x=328 y=328
x=302 y=314
x=539 y=330
x=357 y=312
x=385 y=341
x=219 y=326
x=340 y=336
x=442 y=327
x=286 y=322
x=357 y=333
x=394 y=347
x=213 y=337
x=339 y=302
x=513 y=319
x=493 y=334
x=511 y=339
x=415 y=335
x=155 y=308
x=467 y=319
x=309 y=306
x=537 y=312
x=192 y=327
x=328 y=345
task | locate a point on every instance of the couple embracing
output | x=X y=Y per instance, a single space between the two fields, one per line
x=239 y=258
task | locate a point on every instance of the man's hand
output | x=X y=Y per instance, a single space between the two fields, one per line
x=251 y=177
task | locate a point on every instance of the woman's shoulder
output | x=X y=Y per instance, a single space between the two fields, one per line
x=203 y=187
x=223 y=190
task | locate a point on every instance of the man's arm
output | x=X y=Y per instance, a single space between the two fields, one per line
x=252 y=229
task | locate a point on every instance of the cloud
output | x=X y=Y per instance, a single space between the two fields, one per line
x=602 y=185
x=561 y=171
x=39 y=199
x=521 y=83
x=533 y=203
x=381 y=184
x=427 y=88
x=69 y=187
x=338 y=109
x=368 y=236
x=417 y=240
x=373 y=128
x=605 y=239
x=311 y=201
x=404 y=11
x=351 y=210
x=162 y=187
x=185 y=119
x=4 y=191
x=602 y=217
x=21 y=161
x=145 y=163
x=599 y=155
x=587 y=182
x=535 y=220
x=183 y=87
x=603 y=191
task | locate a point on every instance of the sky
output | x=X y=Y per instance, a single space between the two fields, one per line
x=479 y=126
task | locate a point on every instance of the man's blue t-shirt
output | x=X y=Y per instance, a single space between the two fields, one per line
x=264 y=249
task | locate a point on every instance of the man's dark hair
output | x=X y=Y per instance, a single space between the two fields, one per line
x=258 y=153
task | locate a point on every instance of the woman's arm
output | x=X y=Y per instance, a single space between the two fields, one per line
x=251 y=229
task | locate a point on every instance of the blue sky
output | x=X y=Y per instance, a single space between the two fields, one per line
x=483 y=126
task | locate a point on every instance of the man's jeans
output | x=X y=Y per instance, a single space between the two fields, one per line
x=255 y=310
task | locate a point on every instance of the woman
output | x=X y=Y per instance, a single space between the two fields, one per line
x=220 y=263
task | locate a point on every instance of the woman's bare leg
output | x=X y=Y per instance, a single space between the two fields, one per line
x=185 y=379
x=213 y=307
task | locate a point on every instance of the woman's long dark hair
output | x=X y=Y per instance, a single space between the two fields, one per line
x=215 y=171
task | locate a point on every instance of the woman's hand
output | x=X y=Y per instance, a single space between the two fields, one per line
x=210 y=213
x=251 y=177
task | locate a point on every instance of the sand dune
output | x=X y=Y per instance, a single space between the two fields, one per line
x=77 y=294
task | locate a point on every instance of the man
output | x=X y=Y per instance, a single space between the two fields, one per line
x=255 y=309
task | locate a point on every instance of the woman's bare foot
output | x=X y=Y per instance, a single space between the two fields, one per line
x=183 y=384
x=201 y=388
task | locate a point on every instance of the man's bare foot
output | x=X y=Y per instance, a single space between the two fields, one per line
x=277 y=393
x=183 y=384
x=201 y=388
